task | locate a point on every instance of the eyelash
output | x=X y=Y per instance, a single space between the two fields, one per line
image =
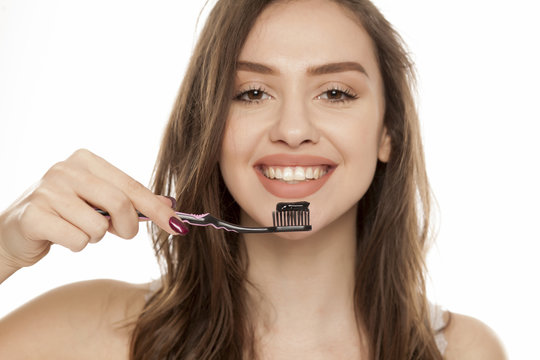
x=239 y=95
x=348 y=94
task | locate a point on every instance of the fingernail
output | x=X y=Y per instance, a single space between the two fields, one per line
x=173 y=201
x=177 y=226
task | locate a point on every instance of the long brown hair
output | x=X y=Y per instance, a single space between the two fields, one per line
x=201 y=310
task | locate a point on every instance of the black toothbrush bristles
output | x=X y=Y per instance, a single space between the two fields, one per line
x=291 y=214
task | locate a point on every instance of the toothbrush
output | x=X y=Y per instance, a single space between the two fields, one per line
x=289 y=216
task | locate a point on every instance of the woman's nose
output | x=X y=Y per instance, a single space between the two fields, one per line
x=294 y=125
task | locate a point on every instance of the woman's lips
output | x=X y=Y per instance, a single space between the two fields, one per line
x=293 y=176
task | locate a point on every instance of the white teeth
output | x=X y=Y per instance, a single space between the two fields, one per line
x=296 y=173
x=299 y=174
x=288 y=174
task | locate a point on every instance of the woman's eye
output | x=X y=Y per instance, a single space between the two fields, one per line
x=336 y=95
x=253 y=95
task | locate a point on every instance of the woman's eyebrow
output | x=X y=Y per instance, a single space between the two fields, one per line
x=256 y=67
x=312 y=70
x=336 y=68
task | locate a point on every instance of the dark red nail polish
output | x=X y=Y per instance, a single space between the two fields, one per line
x=177 y=226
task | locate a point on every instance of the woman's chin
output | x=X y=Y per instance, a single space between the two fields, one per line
x=325 y=215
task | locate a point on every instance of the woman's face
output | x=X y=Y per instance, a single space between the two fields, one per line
x=306 y=122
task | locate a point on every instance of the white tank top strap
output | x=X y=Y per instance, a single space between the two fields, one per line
x=437 y=324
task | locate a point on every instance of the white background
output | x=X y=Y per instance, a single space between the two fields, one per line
x=103 y=75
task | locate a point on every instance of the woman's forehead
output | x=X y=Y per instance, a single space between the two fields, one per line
x=307 y=33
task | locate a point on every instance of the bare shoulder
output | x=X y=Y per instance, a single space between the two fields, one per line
x=91 y=319
x=469 y=338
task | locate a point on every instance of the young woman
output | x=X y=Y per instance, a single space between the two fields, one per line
x=282 y=101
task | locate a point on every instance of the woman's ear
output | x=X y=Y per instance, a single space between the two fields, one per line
x=385 y=146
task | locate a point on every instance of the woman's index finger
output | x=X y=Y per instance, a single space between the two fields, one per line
x=151 y=205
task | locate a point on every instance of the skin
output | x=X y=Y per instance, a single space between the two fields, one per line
x=304 y=281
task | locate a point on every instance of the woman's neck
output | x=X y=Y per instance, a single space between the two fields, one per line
x=304 y=286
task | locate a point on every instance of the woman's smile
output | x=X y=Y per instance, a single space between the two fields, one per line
x=293 y=176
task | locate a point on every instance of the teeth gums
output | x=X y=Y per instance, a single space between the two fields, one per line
x=294 y=174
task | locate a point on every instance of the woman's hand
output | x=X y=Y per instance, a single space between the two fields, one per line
x=60 y=209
